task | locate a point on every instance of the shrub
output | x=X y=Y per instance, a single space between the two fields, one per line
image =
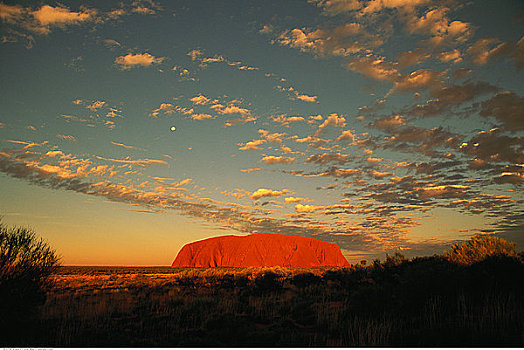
x=25 y=265
x=268 y=282
x=478 y=248
x=394 y=260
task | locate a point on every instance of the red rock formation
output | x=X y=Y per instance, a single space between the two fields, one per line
x=264 y=249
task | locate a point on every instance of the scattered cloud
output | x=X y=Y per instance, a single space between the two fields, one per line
x=66 y=137
x=507 y=108
x=264 y=192
x=134 y=60
x=139 y=162
x=278 y=160
x=299 y=208
x=251 y=145
x=125 y=146
x=333 y=120
x=329 y=158
x=45 y=18
x=250 y=170
x=294 y=199
x=286 y=120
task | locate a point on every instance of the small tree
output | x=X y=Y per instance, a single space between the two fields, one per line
x=25 y=265
x=478 y=248
x=394 y=260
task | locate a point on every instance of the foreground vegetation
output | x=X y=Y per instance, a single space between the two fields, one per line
x=430 y=301
x=422 y=302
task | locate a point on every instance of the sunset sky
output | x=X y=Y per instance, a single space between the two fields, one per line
x=379 y=125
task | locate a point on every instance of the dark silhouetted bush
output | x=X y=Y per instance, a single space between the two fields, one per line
x=305 y=279
x=267 y=282
x=25 y=265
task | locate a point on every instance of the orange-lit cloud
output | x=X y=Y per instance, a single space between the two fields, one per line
x=299 y=208
x=251 y=145
x=264 y=192
x=278 y=160
x=134 y=60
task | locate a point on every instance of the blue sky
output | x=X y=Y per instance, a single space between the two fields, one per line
x=380 y=125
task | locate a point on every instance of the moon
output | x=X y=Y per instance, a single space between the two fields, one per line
x=173 y=128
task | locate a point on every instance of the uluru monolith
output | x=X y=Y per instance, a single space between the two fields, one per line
x=259 y=250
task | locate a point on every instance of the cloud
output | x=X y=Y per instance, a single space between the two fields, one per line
x=11 y=14
x=215 y=59
x=374 y=6
x=251 y=145
x=442 y=191
x=367 y=234
x=266 y=29
x=329 y=158
x=299 y=208
x=168 y=108
x=448 y=56
x=506 y=107
x=306 y=98
x=111 y=43
x=336 y=7
x=124 y=146
x=250 y=170
x=194 y=54
x=53 y=154
x=448 y=97
x=412 y=57
x=442 y=31
x=379 y=175
x=333 y=120
x=197 y=55
x=389 y=122
x=66 y=137
x=461 y=73
x=41 y=21
x=271 y=137
x=200 y=100
x=313 y=141
x=346 y=135
x=375 y=67
x=343 y=40
x=486 y=49
x=278 y=160
x=493 y=146
x=201 y=116
x=134 y=60
x=48 y=15
x=264 y=192
x=293 y=199
x=231 y=109
x=96 y=105
x=422 y=78
x=420 y=140
x=138 y=162
x=516 y=178
x=334 y=171
x=286 y=120
x=371 y=160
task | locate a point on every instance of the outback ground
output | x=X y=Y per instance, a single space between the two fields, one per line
x=421 y=302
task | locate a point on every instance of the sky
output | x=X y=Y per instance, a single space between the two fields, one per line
x=128 y=129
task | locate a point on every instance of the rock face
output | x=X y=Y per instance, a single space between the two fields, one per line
x=258 y=250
